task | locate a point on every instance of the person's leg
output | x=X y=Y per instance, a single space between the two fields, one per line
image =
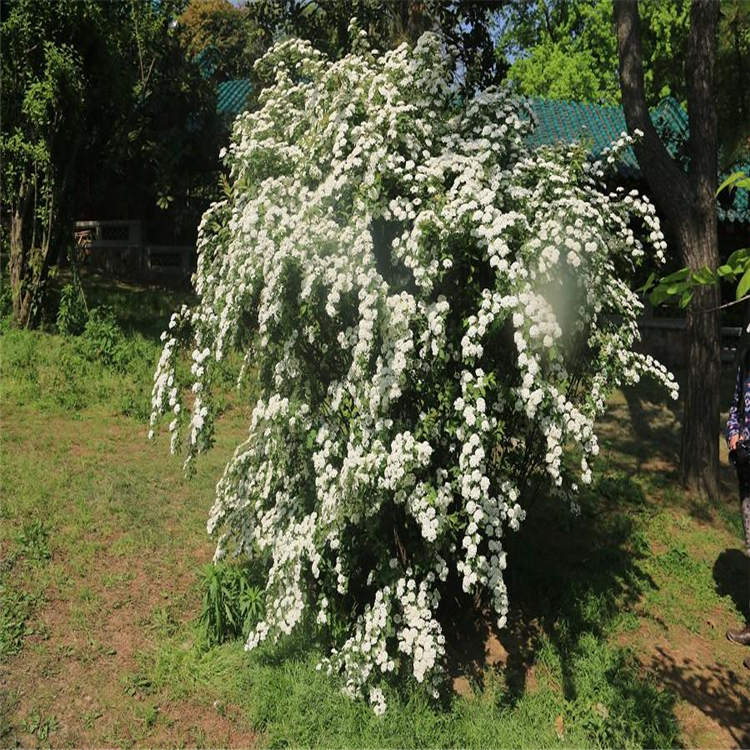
x=745 y=506
x=742 y=635
x=746 y=523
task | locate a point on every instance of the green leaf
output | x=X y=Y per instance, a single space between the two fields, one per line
x=649 y=283
x=739 y=259
x=680 y=275
x=685 y=299
x=732 y=180
x=744 y=286
x=704 y=276
x=725 y=271
x=658 y=296
x=673 y=289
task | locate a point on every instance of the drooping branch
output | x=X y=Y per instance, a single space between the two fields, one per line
x=667 y=181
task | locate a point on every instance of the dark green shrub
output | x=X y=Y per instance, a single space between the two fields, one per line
x=102 y=336
x=232 y=603
x=104 y=341
x=71 y=314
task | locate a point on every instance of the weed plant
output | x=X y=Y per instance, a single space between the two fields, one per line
x=232 y=601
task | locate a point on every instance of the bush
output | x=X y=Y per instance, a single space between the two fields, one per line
x=71 y=314
x=232 y=604
x=102 y=336
x=436 y=314
x=76 y=373
x=105 y=342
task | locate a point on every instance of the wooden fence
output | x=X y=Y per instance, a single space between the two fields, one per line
x=118 y=248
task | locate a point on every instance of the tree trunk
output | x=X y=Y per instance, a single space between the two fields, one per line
x=16 y=263
x=699 y=455
x=687 y=201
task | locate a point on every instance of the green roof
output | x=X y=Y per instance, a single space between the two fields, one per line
x=562 y=121
x=559 y=122
x=232 y=96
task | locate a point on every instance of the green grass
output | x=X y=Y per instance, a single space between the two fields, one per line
x=57 y=374
x=104 y=547
x=610 y=705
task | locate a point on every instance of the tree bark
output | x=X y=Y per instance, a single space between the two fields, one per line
x=688 y=203
x=699 y=455
x=18 y=261
x=15 y=263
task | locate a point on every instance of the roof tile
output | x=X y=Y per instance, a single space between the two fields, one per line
x=562 y=121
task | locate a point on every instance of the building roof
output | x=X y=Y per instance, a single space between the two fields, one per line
x=561 y=121
x=232 y=96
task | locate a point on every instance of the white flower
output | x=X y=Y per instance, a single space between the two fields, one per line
x=389 y=261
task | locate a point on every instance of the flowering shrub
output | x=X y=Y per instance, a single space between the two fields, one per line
x=435 y=314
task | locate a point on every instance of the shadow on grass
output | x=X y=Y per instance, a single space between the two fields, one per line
x=713 y=690
x=644 y=434
x=138 y=309
x=656 y=424
x=732 y=577
x=579 y=579
x=572 y=583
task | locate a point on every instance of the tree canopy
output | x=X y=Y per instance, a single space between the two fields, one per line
x=58 y=62
x=569 y=50
x=221 y=37
x=467 y=25
x=102 y=111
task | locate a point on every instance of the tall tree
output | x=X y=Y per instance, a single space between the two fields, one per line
x=171 y=130
x=96 y=97
x=468 y=25
x=568 y=50
x=47 y=51
x=687 y=200
x=222 y=37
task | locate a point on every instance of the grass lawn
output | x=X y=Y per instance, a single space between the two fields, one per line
x=618 y=617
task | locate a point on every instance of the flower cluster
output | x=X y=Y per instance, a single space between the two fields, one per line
x=435 y=314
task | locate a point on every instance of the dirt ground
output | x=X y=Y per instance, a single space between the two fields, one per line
x=103 y=604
